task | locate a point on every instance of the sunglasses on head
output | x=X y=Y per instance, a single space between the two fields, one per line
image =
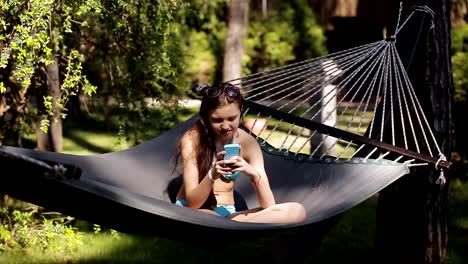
x=228 y=89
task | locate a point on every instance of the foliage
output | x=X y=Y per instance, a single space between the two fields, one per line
x=204 y=24
x=460 y=68
x=460 y=62
x=289 y=33
x=127 y=50
x=32 y=33
x=460 y=82
x=29 y=228
x=134 y=54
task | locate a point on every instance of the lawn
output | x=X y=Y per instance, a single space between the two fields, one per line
x=349 y=240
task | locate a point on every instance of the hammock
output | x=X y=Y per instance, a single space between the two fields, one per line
x=325 y=146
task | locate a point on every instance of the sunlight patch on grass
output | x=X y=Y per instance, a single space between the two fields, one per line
x=81 y=142
x=293 y=143
x=94 y=246
x=85 y=142
x=301 y=144
x=187 y=113
x=104 y=246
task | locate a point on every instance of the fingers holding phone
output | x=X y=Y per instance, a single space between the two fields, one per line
x=224 y=166
x=231 y=152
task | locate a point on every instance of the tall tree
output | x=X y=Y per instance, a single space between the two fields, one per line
x=33 y=54
x=234 y=48
x=412 y=212
x=51 y=139
x=49 y=50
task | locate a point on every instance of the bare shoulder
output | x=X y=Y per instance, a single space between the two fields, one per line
x=246 y=138
x=248 y=142
x=189 y=137
x=188 y=141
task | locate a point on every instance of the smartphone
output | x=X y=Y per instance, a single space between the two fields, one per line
x=231 y=151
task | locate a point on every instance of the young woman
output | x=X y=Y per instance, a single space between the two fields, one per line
x=201 y=154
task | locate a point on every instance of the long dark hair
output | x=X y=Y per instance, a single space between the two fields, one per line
x=204 y=143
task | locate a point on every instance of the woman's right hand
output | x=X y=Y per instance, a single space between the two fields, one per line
x=222 y=166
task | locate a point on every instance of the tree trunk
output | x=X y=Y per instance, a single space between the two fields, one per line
x=412 y=212
x=55 y=131
x=234 y=49
x=53 y=140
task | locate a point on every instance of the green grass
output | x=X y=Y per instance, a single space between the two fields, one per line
x=93 y=135
x=350 y=239
x=102 y=248
x=458 y=222
x=106 y=248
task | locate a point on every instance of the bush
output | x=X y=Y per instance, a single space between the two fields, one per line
x=460 y=82
x=30 y=228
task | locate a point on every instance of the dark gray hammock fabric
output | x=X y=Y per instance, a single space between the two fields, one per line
x=127 y=190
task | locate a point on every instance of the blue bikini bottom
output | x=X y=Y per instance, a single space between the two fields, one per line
x=224 y=210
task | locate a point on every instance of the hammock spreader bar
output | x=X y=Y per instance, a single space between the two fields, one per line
x=335 y=132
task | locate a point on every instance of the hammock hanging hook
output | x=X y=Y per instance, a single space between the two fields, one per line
x=417 y=8
x=441 y=179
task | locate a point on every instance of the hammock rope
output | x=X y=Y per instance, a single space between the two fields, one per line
x=358 y=92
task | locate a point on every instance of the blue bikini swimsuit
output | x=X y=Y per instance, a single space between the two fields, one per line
x=223 y=210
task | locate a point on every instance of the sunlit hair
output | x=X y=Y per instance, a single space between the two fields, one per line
x=204 y=141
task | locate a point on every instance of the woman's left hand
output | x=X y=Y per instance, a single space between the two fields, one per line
x=241 y=165
x=238 y=163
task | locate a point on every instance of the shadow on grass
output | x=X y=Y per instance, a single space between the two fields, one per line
x=293 y=246
x=84 y=143
x=347 y=239
x=133 y=126
x=342 y=239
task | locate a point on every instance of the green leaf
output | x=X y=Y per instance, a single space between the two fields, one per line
x=45 y=125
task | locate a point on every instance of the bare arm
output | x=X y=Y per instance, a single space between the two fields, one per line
x=195 y=193
x=253 y=166
x=260 y=181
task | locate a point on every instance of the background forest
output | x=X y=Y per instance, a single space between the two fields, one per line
x=94 y=76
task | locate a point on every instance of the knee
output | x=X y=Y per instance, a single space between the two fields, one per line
x=294 y=212
x=297 y=212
